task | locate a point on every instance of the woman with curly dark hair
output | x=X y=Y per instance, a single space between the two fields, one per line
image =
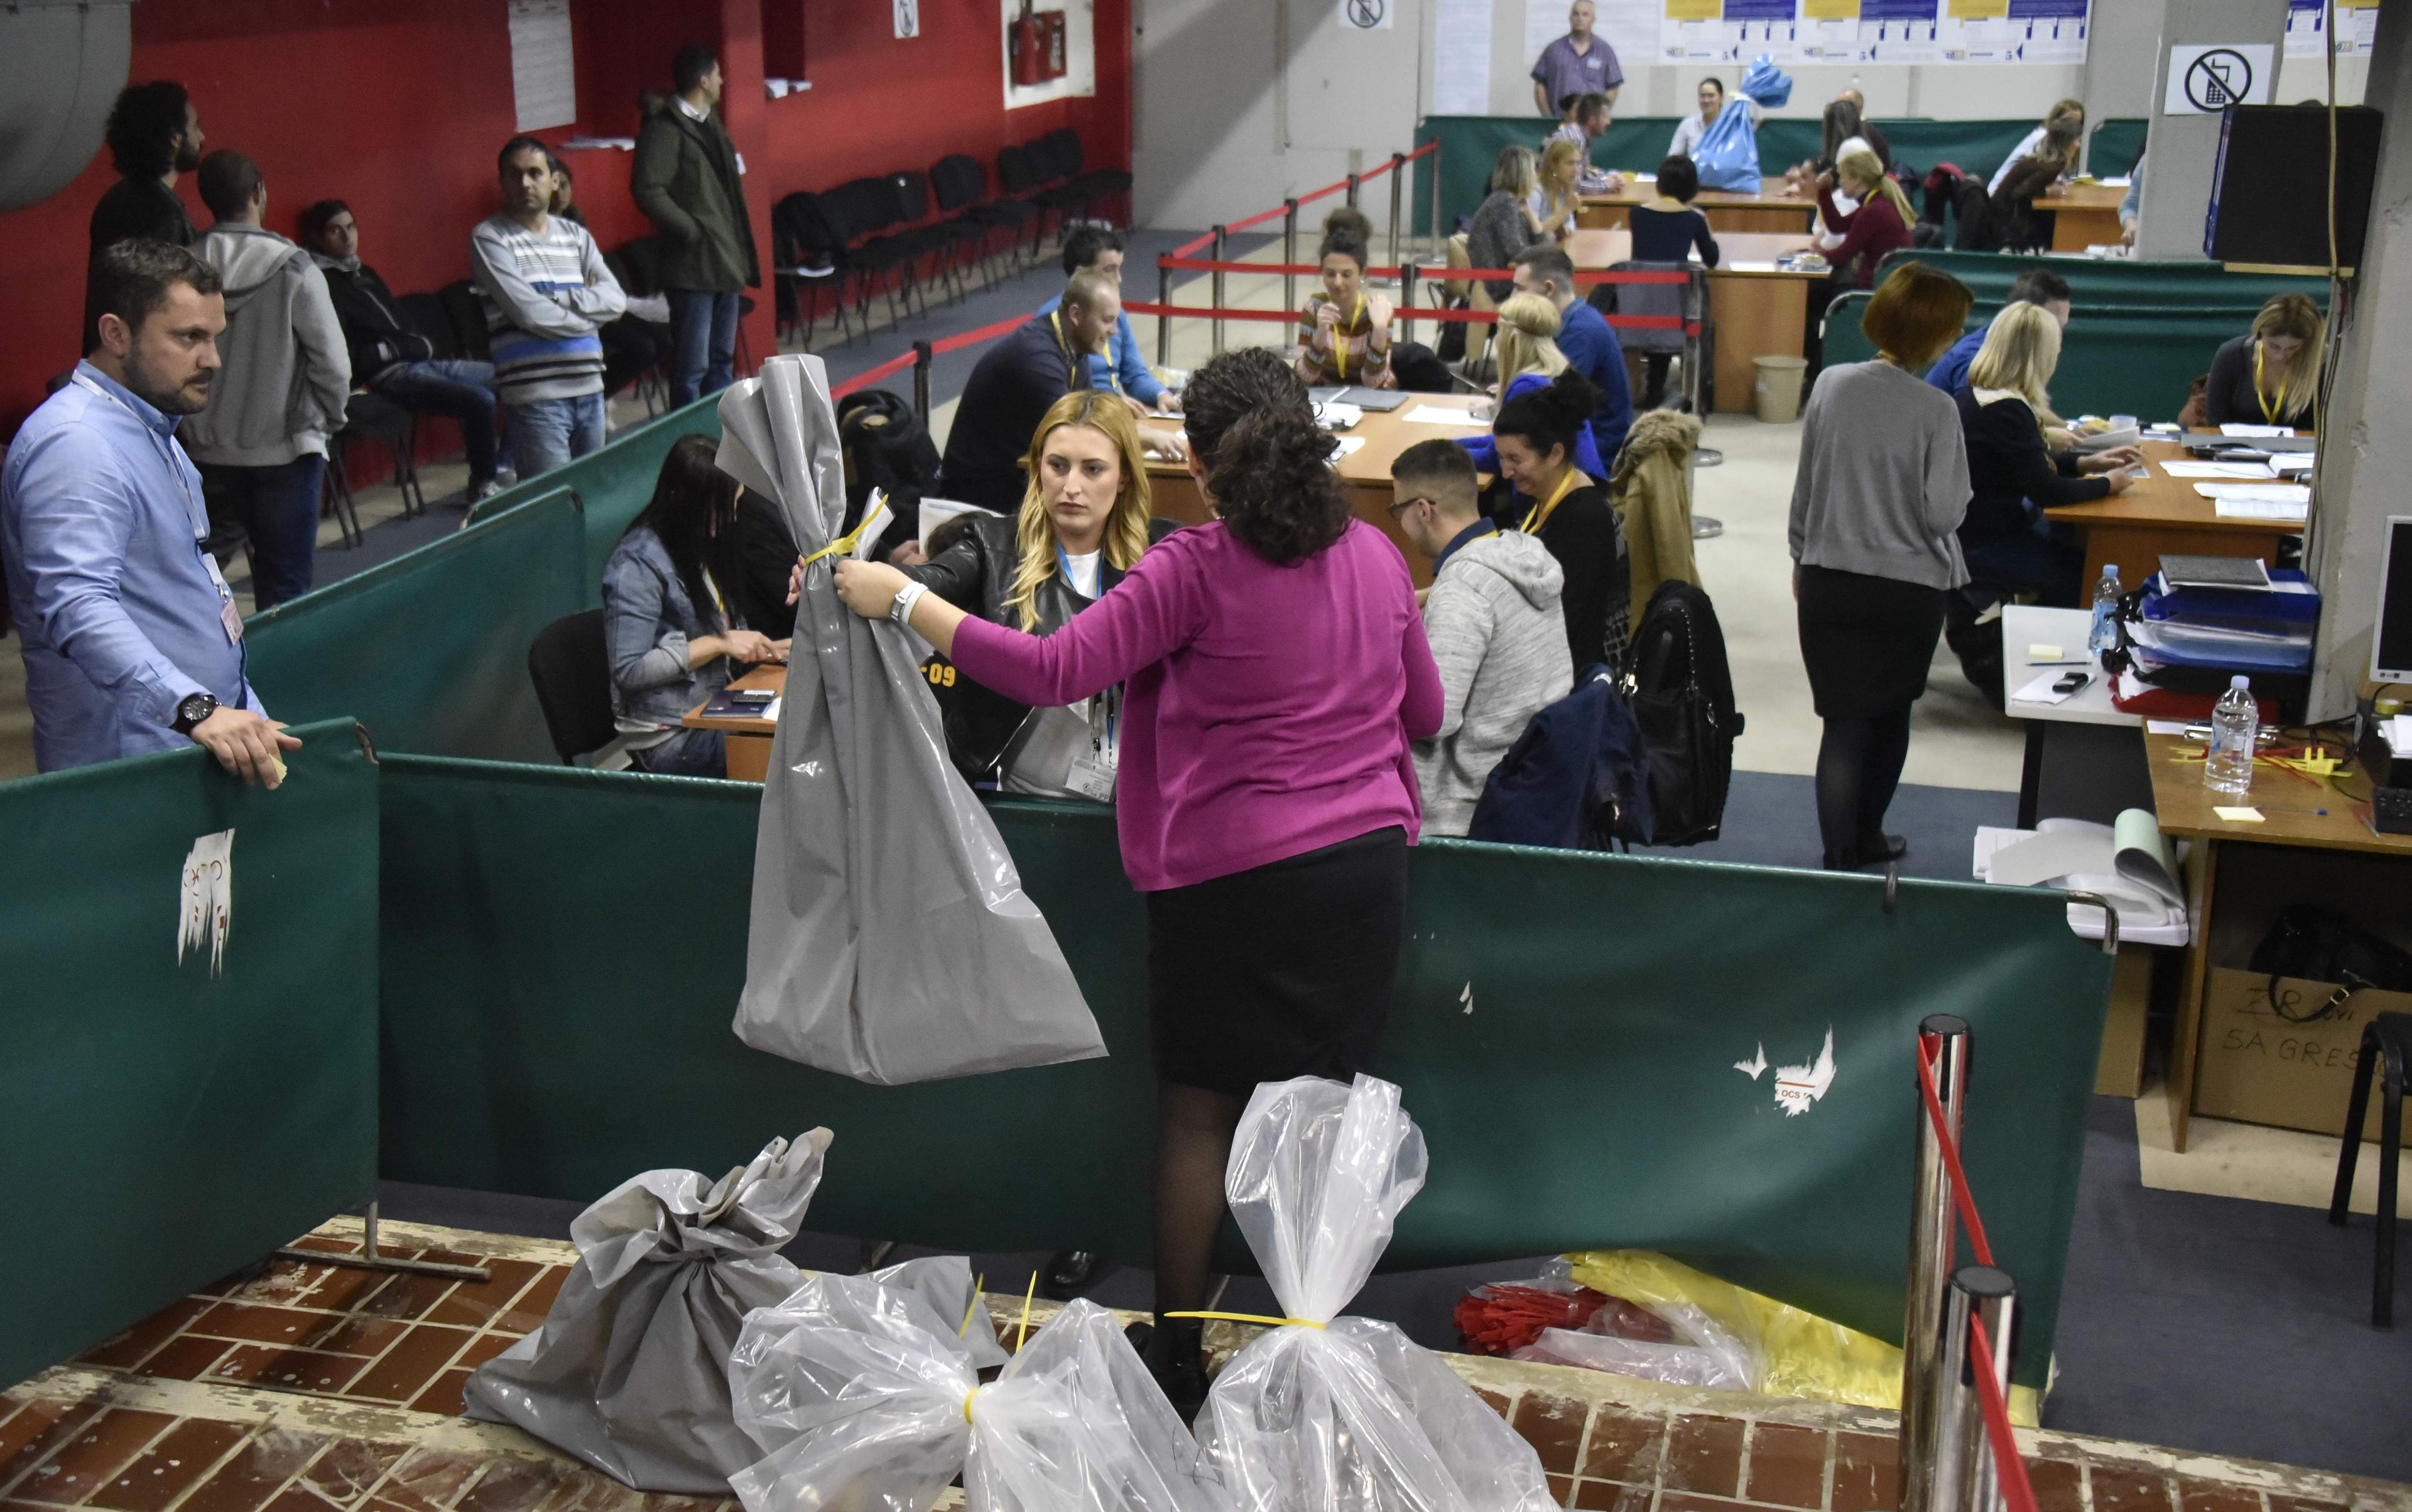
x=1274 y=668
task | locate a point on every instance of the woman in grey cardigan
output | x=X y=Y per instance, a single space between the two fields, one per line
x=1503 y=225
x=1882 y=485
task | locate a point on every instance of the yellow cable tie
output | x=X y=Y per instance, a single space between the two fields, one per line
x=965 y=1327
x=843 y=544
x=968 y=1403
x=1252 y=1317
x=1023 y=1336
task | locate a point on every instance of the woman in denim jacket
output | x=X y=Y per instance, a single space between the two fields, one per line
x=667 y=635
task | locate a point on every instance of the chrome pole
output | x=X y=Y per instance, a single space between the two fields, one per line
x=1398 y=171
x=1352 y=191
x=1993 y=1301
x=922 y=358
x=1163 y=322
x=1930 y=1253
x=1290 y=253
x=1219 y=238
x=1436 y=199
x=1947 y=1393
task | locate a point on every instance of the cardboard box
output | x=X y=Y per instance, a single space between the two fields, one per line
x=2263 y=1067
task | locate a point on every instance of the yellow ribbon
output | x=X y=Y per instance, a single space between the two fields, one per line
x=843 y=544
x=1252 y=1317
x=968 y=1403
x=1022 y=1336
x=965 y=1326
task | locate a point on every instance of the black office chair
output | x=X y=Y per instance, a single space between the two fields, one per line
x=572 y=674
x=2386 y=1052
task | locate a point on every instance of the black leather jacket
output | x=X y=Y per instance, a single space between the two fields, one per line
x=974 y=571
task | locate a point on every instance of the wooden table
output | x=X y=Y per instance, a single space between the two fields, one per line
x=1364 y=473
x=1774 y=208
x=2240 y=874
x=749 y=739
x=2085 y=214
x=2164 y=516
x=1759 y=309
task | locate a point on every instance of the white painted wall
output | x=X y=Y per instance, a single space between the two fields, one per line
x=1240 y=103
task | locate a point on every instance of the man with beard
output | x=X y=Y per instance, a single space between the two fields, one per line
x=154 y=135
x=131 y=639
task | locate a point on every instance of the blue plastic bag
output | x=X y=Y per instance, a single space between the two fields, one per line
x=1768 y=84
x=1728 y=155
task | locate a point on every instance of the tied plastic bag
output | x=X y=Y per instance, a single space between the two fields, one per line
x=864 y=1400
x=630 y=1371
x=1333 y=1414
x=1769 y=85
x=891 y=940
x=1728 y=153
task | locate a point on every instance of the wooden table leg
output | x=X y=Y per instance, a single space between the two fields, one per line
x=749 y=757
x=2186 y=1043
x=1757 y=317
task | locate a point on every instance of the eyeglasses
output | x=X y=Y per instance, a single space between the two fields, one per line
x=1398 y=511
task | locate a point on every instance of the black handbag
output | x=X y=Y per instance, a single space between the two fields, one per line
x=2319 y=945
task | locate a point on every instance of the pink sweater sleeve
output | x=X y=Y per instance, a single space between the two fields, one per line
x=1153 y=612
x=1425 y=702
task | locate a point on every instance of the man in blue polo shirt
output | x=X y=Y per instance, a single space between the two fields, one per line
x=131 y=639
x=1574 y=63
x=1099 y=249
x=1587 y=340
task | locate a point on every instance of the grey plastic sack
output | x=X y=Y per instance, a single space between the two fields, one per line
x=891 y=939
x=630 y=1371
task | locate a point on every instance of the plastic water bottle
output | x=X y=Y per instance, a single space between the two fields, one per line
x=2105 y=633
x=2235 y=729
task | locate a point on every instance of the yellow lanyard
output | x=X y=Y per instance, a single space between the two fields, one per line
x=2269 y=416
x=1539 y=515
x=1339 y=339
x=1079 y=364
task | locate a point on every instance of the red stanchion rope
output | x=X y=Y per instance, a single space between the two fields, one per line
x=865 y=380
x=973 y=338
x=1418 y=311
x=2009 y=1467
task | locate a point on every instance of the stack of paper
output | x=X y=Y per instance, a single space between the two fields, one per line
x=2237 y=427
x=2398 y=731
x=2218 y=469
x=2290 y=503
x=2129 y=863
x=1437 y=415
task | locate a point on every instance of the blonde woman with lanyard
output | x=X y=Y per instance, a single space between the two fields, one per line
x=1083 y=522
x=2271 y=375
x=1534 y=437
x=1344 y=333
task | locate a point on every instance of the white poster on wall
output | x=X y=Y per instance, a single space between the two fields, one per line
x=544 y=72
x=2205 y=80
x=1056 y=49
x=2012 y=31
x=1898 y=31
x=2307 y=27
x=1828 y=31
x=908 y=18
x=1368 y=15
x=1462 y=57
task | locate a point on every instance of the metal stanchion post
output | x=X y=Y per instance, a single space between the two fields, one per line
x=1290 y=253
x=1163 y=322
x=1407 y=272
x=1436 y=198
x=1398 y=171
x=1930 y=1235
x=1945 y=1393
x=922 y=358
x=1992 y=1300
x=1219 y=238
x=1352 y=191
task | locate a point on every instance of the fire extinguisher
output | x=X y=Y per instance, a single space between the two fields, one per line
x=1026 y=43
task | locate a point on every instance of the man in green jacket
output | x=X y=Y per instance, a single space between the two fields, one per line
x=686 y=179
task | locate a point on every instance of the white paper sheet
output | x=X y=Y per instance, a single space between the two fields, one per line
x=2238 y=428
x=1462 y=65
x=1347 y=444
x=2216 y=469
x=2292 y=514
x=2295 y=493
x=1438 y=415
x=2040 y=690
x=544 y=78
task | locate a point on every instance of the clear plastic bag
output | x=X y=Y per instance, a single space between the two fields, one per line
x=863 y=1400
x=890 y=939
x=1352 y=1416
x=630 y=1369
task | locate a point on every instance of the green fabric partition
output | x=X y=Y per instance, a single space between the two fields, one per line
x=430 y=650
x=162 y=1124
x=2118 y=142
x=564 y=951
x=615 y=482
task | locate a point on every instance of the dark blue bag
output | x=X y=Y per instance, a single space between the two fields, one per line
x=1577 y=779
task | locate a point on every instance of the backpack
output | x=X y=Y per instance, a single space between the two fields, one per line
x=885 y=446
x=1682 y=694
x=1577 y=779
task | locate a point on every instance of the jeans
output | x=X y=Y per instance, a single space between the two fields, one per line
x=458 y=389
x=703 y=343
x=279 y=509
x=690 y=753
x=548 y=432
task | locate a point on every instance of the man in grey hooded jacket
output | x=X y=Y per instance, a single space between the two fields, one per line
x=262 y=440
x=1492 y=616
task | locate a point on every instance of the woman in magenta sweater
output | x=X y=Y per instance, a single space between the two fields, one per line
x=1274 y=668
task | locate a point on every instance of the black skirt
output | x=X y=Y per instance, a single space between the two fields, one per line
x=1867 y=641
x=1284 y=970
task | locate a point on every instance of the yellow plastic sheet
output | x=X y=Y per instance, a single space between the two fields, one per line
x=1798 y=1354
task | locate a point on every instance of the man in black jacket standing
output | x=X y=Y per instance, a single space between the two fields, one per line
x=688 y=179
x=390 y=359
x=154 y=135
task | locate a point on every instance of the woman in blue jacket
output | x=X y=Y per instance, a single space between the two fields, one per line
x=1528 y=360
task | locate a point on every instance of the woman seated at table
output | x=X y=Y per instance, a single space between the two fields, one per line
x=1713 y=104
x=1857 y=240
x=1083 y=522
x=1536 y=437
x=1344 y=333
x=667 y=638
x=1504 y=224
x=2070 y=115
x=2011 y=217
x=1842 y=129
x=1529 y=358
x=2271 y=375
x=2012 y=478
x=1666 y=228
x=1555 y=201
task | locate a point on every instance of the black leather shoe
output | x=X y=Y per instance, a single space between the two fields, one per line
x=1067 y=1274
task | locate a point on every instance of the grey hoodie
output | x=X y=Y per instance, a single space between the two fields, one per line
x=286 y=377
x=1500 y=640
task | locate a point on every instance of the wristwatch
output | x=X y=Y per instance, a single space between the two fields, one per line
x=196 y=708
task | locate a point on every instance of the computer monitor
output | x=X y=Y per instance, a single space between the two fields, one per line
x=2391 y=646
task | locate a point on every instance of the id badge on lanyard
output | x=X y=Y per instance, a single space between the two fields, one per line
x=1093 y=776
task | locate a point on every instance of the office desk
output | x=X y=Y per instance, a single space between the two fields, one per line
x=2160 y=516
x=2084 y=215
x=1759 y=309
x=1364 y=473
x=1774 y=208
x=749 y=740
x=2084 y=758
x=2240 y=874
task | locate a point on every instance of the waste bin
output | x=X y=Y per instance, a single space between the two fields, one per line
x=1779 y=387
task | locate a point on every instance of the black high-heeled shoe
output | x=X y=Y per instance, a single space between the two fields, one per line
x=1881 y=848
x=1177 y=1360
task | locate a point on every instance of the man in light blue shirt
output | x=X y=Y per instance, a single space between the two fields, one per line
x=131 y=639
x=1099 y=249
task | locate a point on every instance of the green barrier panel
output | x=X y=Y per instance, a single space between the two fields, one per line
x=615 y=483
x=2118 y=142
x=564 y=948
x=430 y=650
x=162 y=1124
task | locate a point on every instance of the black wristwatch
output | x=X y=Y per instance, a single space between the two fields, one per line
x=189 y=713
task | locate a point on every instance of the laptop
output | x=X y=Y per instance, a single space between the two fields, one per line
x=1376 y=400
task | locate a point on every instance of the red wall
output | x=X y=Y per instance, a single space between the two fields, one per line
x=399 y=108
